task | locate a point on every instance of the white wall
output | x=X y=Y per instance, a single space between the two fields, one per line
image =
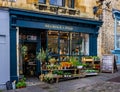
x=4 y=47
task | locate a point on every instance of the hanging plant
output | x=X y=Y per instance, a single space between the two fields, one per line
x=24 y=50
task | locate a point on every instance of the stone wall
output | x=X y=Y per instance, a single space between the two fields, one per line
x=85 y=6
x=106 y=32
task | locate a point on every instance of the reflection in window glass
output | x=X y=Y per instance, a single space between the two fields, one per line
x=118 y=41
x=53 y=42
x=56 y=2
x=118 y=35
x=42 y=1
x=63 y=45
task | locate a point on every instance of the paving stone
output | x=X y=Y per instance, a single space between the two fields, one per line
x=88 y=84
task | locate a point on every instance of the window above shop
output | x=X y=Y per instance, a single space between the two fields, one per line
x=42 y=1
x=57 y=2
x=71 y=3
x=60 y=7
x=117 y=35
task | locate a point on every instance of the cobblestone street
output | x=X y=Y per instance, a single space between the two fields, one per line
x=97 y=83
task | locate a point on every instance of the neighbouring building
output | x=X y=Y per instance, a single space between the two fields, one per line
x=63 y=27
x=106 y=36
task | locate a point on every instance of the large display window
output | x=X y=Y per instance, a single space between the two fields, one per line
x=63 y=45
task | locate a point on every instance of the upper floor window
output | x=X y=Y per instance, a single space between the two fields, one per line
x=42 y=1
x=71 y=3
x=57 y=2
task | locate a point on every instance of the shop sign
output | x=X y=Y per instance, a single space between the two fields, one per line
x=58 y=27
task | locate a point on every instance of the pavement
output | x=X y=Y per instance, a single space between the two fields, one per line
x=97 y=83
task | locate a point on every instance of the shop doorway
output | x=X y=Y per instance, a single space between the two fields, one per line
x=29 y=60
x=27 y=55
x=30 y=42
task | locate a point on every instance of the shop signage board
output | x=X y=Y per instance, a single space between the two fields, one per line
x=108 y=63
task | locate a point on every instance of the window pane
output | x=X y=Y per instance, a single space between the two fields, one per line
x=53 y=43
x=42 y=1
x=71 y=3
x=118 y=41
x=56 y=2
x=64 y=46
x=118 y=35
x=79 y=44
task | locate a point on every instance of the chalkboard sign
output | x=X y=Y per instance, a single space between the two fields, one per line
x=108 y=63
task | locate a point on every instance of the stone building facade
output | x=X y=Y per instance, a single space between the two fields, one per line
x=65 y=30
x=106 y=32
x=84 y=9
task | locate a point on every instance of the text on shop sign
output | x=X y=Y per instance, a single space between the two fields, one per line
x=60 y=27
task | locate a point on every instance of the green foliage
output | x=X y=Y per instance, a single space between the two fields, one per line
x=75 y=61
x=96 y=58
x=24 y=50
x=52 y=66
x=48 y=78
x=58 y=72
x=41 y=55
x=21 y=83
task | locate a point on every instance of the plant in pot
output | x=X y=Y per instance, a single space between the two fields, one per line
x=79 y=65
x=52 y=61
x=41 y=56
x=21 y=83
x=96 y=58
x=76 y=63
x=48 y=78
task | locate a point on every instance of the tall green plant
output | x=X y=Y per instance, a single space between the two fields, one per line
x=42 y=55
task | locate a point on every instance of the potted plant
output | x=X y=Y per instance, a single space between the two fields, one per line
x=52 y=61
x=48 y=78
x=96 y=58
x=21 y=83
x=76 y=63
x=41 y=56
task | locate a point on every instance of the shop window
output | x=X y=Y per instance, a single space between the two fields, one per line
x=57 y=2
x=53 y=43
x=63 y=45
x=42 y=1
x=71 y=3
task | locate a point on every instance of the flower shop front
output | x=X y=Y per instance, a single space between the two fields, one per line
x=60 y=37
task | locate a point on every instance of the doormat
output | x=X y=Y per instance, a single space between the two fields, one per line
x=116 y=79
